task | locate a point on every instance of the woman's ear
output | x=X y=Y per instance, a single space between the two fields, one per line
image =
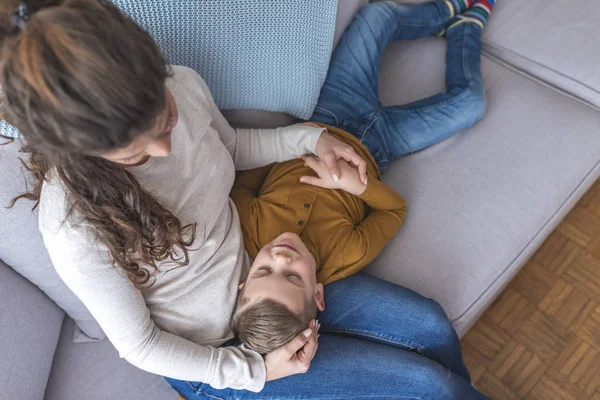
x=241 y=285
x=320 y=297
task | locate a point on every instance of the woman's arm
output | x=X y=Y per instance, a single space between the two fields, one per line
x=120 y=310
x=251 y=148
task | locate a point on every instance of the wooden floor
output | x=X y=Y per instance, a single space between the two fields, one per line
x=541 y=339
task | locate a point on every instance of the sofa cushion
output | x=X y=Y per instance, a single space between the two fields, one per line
x=252 y=54
x=552 y=40
x=22 y=246
x=481 y=202
x=29 y=329
x=94 y=371
x=265 y=119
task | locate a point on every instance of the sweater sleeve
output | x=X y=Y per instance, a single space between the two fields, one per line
x=366 y=240
x=121 y=311
x=251 y=148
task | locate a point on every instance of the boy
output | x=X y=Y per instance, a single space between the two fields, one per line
x=332 y=230
x=334 y=233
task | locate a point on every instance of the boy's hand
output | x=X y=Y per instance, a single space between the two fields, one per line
x=350 y=180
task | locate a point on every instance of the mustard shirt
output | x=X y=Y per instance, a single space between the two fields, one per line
x=344 y=232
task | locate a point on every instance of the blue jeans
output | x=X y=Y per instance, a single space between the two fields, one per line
x=378 y=340
x=350 y=96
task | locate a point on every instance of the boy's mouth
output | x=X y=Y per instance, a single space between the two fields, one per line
x=287 y=244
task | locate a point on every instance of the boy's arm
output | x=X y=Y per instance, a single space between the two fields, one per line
x=361 y=243
x=364 y=242
x=246 y=189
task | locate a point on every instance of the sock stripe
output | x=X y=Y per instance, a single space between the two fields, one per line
x=477 y=12
x=469 y=11
x=461 y=19
x=461 y=5
x=481 y=10
x=483 y=7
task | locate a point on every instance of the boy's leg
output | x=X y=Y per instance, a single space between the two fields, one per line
x=400 y=130
x=350 y=95
x=370 y=308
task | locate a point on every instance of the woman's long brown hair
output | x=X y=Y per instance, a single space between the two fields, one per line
x=80 y=78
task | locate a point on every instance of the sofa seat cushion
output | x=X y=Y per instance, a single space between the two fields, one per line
x=482 y=201
x=29 y=330
x=552 y=40
x=94 y=371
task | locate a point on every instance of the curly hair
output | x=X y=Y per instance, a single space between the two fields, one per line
x=78 y=79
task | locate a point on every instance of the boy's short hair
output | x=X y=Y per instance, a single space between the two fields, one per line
x=266 y=325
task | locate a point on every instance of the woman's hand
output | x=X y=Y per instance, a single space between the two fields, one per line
x=295 y=357
x=350 y=180
x=329 y=149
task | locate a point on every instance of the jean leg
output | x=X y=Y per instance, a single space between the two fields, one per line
x=400 y=130
x=351 y=368
x=370 y=308
x=350 y=95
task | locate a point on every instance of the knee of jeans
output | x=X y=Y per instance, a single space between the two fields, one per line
x=475 y=104
x=436 y=325
x=374 y=13
x=441 y=383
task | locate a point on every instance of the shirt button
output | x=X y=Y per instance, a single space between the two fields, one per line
x=300 y=223
x=306 y=205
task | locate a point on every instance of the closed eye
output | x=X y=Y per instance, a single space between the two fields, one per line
x=262 y=270
x=296 y=276
x=295 y=279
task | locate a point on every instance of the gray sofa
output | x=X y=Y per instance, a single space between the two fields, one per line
x=480 y=203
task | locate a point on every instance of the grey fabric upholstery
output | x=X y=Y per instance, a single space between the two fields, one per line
x=482 y=201
x=552 y=40
x=22 y=246
x=94 y=371
x=29 y=330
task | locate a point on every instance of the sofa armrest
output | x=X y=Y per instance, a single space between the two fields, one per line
x=29 y=329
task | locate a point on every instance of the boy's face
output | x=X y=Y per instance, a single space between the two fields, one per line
x=286 y=272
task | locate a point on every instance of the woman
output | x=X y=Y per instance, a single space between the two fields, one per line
x=133 y=167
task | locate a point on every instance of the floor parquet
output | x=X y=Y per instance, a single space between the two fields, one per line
x=540 y=340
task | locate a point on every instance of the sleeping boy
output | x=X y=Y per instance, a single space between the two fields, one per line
x=334 y=230
x=302 y=236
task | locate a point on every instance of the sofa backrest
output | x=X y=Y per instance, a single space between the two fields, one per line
x=21 y=244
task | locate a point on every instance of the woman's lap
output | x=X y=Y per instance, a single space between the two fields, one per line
x=351 y=368
x=379 y=340
x=380 y=311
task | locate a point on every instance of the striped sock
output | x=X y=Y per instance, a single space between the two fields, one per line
x=479 y=13
x=459 y=6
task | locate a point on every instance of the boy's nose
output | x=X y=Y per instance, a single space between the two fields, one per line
x=282 y=257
